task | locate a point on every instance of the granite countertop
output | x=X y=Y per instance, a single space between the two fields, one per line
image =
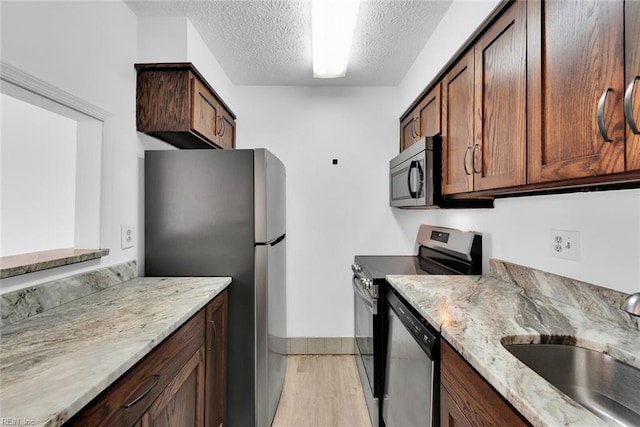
x=476 y=314
x=54 y=363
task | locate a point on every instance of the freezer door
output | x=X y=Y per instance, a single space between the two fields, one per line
x=270 y=196
x=271 y=329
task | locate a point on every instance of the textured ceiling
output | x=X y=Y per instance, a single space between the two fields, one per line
x=259 y=42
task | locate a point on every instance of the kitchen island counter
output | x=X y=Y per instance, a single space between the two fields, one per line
x=56 y=362
x=477 y=314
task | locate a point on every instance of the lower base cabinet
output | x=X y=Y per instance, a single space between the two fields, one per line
x=179 y=383
x=466 y=399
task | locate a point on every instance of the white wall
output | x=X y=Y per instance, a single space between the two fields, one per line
x=87 y=49
x=173 y=39
x=333 y=211
x=518 y=229
x=462 y=18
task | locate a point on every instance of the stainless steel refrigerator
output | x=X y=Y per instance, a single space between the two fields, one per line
x=222 y=213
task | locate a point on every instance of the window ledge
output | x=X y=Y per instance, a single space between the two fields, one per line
x=16 y=265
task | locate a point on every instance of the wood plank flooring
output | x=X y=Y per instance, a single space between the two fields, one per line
x=322 y=391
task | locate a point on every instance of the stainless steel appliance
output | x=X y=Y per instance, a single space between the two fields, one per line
x=412 y=179
x=415 y=179
x=222 y=213
x=411 y=369
x=441 y=251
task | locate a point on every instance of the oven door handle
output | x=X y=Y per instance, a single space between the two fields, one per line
x=373 y=304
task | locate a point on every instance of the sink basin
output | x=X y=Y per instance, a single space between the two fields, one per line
x=605 y=386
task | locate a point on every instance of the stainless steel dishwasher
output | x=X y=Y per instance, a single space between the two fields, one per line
x=412 y=369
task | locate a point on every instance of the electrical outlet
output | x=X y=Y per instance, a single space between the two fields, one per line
x=128 y=236
x=565 y=244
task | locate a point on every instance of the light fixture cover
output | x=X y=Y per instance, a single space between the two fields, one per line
x=333 y=23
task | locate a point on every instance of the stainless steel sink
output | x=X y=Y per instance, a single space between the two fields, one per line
x=605 y=386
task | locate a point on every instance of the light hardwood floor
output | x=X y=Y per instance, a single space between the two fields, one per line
x=322 y=391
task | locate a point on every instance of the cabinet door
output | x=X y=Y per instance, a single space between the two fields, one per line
x=450 y=414
x=632 y=93
x=408 y=132
x=227 y=131
x=204 y=114
x=181 y=403
x=477 y=401
x=429 y=113
x=499 y=152
x=216 y=361
x=575 y=83
x=457 y=126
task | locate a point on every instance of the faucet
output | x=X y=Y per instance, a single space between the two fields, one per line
x=632 y=304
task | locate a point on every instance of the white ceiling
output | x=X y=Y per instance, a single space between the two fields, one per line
x=260 y=42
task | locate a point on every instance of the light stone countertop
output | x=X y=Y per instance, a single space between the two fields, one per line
x=475 y=314
x=54 y=363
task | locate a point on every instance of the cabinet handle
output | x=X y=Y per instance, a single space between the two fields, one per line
x=215 y=335
x=224 y=126
x=464 y=160
x=417 y=122
x=628 y=106
x=600 y=114
x=473 y=158
x=218 y=125
x=156 y=378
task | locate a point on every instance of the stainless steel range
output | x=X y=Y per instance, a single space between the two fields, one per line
x=441 y=251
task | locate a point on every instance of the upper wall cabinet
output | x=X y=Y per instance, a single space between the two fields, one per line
x=176 y=104
x=457 y=126
x=498 y=157
x=575 y=89
x=484 y=110
x=632 y=91
x=424 y=119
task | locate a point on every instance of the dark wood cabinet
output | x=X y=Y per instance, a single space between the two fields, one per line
x=450 y=414
x=216 y=361
x=181 y=382
x=484 y=110
x=457 y=126
x=498 y=156
x=424 y=120
x=544 y=97
x=176 y=104
x=575 y=89
x=467 y=399
x=632 y=78
x=181 y=403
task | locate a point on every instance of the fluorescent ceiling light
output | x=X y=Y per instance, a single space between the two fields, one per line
x=333 y=23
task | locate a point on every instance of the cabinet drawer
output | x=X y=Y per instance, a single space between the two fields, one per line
x=468 y=391
x=128 y=398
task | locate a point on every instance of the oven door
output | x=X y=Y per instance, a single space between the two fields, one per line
x=364 y=308
x=366 y=315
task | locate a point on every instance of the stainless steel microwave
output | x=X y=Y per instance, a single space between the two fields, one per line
x=414 y=180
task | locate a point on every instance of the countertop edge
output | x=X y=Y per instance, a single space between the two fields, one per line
x=55 y=414
x=448 y=306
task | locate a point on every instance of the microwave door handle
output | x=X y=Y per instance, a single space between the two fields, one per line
x=420 y=179
x=412 y=193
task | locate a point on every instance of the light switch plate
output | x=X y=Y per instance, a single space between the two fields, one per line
x=128 y=233
x=565 y=244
